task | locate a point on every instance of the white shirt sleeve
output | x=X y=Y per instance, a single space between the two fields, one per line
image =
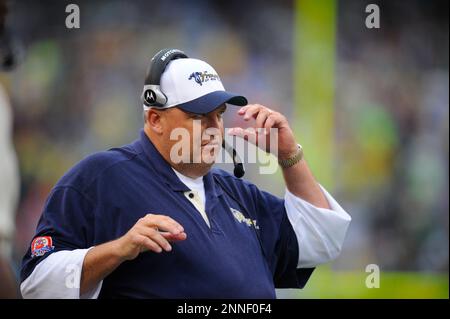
x=320 y=232
x=58 y=277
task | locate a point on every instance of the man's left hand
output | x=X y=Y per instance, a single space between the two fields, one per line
x=265 y=119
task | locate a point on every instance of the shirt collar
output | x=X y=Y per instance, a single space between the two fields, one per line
x=164 y=169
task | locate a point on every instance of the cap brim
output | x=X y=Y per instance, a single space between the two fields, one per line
x=211 y=101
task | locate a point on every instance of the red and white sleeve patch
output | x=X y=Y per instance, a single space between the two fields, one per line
x=41 y=245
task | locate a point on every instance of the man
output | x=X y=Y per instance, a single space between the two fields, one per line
x=134 y=222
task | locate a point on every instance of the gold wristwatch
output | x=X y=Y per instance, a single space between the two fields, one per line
x=292 y=160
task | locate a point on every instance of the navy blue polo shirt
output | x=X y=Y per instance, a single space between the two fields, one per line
x=104 y=195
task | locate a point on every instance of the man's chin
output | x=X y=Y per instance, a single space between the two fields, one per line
x=207 y=162
x=198 y=169
x=204 y=161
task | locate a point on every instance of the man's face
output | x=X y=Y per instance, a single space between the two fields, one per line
x=193 y=138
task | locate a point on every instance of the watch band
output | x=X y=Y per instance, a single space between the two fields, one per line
x=292 y=160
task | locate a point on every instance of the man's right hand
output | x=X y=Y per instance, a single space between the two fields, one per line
x=151 y=232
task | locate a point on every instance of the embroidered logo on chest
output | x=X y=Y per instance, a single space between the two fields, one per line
x=242 y=219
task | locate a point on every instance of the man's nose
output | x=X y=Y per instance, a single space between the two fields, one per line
x=212 y=120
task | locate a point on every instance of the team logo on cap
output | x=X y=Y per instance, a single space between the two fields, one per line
x=201 y=77
x=149 y=96
x=41 y=245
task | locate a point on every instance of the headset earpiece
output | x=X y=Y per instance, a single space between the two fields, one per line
x=152 y=94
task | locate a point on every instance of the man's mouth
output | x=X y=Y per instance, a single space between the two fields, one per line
x=211 y=143
x=210 y=146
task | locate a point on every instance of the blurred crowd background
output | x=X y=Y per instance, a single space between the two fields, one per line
x=72 y=92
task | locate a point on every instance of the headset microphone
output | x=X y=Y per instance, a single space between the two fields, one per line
x=239 y=170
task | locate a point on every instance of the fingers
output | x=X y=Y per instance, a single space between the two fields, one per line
x=153 y=232
x=155 y=236
x=162 y=222
x=269 y=123
x=251 y=110
x=174 y=238
x=237 y=131
x=264 y=117
x=146 y=243
x=249 y=134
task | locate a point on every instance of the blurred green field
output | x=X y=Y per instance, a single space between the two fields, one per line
x=325 y=283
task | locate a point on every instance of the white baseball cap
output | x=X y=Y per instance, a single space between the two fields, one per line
x=194 y=86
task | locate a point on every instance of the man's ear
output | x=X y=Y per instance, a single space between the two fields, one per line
x=154 y=120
